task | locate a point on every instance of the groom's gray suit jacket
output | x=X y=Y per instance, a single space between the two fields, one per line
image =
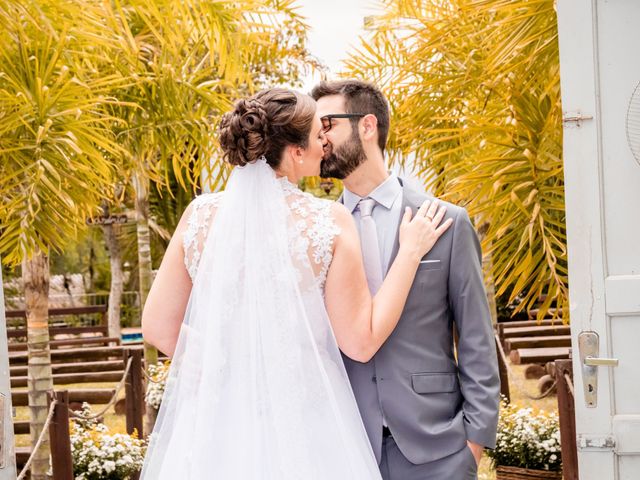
x=433 y=402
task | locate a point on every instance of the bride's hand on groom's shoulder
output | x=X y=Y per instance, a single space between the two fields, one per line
x=420 y=233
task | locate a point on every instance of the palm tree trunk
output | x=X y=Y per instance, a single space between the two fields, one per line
x=117 y=279
x=35 y=275
x=145 y=273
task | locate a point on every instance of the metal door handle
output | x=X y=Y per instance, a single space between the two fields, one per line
x=588 y=346
x=601 y=362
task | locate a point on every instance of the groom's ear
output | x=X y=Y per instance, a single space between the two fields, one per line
x=369 y=127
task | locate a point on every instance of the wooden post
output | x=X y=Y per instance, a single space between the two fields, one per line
x=7 y=450
x=61 y=460
x=502 y=369
x=500 y=331
x=566 y=411
x=134 y=391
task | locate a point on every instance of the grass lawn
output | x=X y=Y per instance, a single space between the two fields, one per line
x=116 y=423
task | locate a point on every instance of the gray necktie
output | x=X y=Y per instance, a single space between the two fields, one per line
x=369 y=243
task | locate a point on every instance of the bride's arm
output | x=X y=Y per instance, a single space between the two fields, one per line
x=361 y=323
x=167 y=301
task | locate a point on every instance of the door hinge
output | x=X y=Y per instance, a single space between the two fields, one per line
x=575 y=117
x=596 y=442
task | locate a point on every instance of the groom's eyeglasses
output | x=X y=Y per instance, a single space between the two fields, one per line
x=327 y=119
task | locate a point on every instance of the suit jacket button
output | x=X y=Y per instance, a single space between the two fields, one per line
x=373 y=379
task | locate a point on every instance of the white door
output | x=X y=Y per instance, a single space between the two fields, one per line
x=7 y=458
x=600 y=69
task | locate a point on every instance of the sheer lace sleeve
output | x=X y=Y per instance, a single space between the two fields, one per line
x=202 y=210
x=315 y=229
x=322 y=234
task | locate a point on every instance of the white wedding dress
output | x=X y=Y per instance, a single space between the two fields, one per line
x=257 y=389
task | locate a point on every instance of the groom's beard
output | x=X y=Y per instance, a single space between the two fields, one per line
x=342 y=161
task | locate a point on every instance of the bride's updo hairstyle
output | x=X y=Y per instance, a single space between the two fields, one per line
x=264 y=124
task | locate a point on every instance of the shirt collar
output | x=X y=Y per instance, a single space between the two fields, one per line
x=384 y=194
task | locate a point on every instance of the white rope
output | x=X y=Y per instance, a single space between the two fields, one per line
x=113 y=400
x=569 y=384
x=150 y=378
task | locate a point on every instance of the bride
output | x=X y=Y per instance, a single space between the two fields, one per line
x=260 y=288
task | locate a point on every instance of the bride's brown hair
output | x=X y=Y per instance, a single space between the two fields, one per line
x=264 y=124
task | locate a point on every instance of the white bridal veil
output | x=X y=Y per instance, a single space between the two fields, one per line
x=257 y=388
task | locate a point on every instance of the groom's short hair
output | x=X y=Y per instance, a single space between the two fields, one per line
x=359 y=97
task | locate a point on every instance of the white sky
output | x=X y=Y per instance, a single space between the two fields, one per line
x=335 y=27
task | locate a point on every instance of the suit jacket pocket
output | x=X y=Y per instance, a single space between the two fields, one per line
x=434 y=382
x=430 y=265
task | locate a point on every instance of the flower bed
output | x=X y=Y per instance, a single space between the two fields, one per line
x=527 y=440
x=99 y=455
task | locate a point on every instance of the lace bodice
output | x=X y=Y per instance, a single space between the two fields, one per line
x=311 y=233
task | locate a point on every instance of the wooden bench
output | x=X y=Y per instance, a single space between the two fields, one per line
x=79 y=367
x=541 y=331
x=97 y=396
x=539 y=355
x=70 y=342
x=514 y=343
x=54 y=330
x=71 y=378
x=500 y=326
x=535 y=342
x=64 y=311
x=22 y=455
x=21 y=427
x=67 y=354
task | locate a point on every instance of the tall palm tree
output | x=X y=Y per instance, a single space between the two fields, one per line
x=55 y=137
x=475 y=95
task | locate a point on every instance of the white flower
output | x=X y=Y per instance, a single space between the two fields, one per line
x=527 y=439
x=98 y=455
x=155 y=388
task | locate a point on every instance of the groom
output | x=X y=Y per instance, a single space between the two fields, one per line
x=429 y=407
